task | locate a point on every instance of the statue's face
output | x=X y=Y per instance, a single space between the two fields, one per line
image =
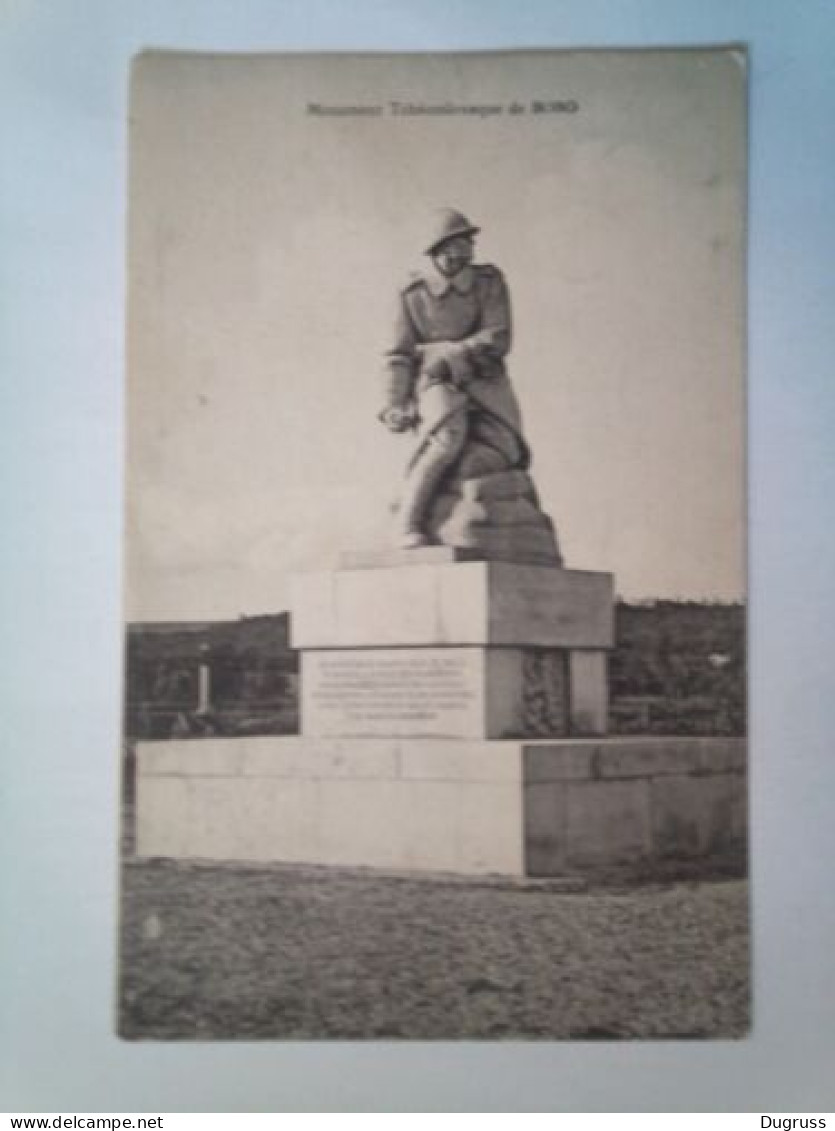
x=453 y=255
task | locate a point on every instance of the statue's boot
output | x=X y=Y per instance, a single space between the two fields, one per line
x=443 y=447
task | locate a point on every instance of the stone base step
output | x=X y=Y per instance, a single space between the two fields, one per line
x=469 y=808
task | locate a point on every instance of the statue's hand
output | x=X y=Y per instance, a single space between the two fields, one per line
x=433 y=360
x=447 y=361
x=398 y=419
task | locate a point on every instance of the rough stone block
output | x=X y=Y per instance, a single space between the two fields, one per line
x=531 y=544
x=500 y=512
x=498 y=515
x=500 y=485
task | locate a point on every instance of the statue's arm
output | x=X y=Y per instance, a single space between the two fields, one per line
x=401 y=366
x=493 y=338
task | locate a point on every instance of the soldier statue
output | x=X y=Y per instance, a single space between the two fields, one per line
x=446 y=378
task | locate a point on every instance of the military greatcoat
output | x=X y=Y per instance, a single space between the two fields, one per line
x=448 y=346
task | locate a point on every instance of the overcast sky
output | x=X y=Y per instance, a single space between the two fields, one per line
x=266 y=248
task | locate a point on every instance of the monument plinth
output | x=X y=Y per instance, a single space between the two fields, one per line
x=439 y=648
x=444 y=702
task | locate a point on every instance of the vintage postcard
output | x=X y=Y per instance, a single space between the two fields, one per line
x=435 y=720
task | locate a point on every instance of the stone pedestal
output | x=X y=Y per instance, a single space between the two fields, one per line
x=442 y=700
x=429 y=644
x=543 y=808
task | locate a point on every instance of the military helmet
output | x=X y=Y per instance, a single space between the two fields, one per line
x=448 y=224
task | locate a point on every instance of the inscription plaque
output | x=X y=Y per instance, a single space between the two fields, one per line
x=405 y=692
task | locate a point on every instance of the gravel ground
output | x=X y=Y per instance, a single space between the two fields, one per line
x=215 y=951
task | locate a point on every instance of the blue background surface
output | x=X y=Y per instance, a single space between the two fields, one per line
x=63 y=107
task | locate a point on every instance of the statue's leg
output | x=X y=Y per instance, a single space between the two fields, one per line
x=479 y=460
x=441 y=449
x=492 y=447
